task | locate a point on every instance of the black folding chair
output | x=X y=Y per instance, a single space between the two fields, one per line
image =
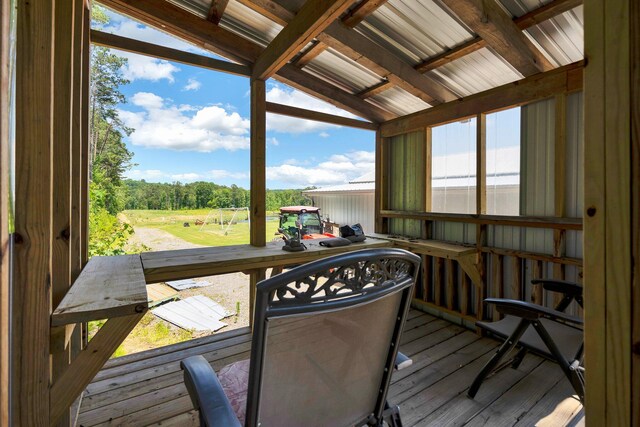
x=549 y=332
x=325 y=341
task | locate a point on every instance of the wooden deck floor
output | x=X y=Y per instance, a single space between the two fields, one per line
x=147 y=389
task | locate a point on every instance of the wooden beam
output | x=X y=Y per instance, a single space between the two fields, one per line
x=5 y=171
x=182 y=24
x=611 y=113
x=367 y=53
x=301 y=113
x=33 y=212
x=384 y=63
x=272 y=10
x=310 y=54
x=565 y=79
x=216 y=10
x=311 y=19
x=61 y=191
x=361 y=11
x=635 y=213
x=375 y=89
x=381 y=197
x=296 y=78
x=156 y=51
x=548 y=11
x=84 y=138
x=89 y=362
x=495 y=26
x=258 y=164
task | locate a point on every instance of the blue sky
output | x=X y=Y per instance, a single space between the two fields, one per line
x=193 y=124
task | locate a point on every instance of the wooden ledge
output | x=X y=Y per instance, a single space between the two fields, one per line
x=434 y=248
x=109 y=286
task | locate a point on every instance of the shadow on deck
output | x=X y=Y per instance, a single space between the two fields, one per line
x=147 y=389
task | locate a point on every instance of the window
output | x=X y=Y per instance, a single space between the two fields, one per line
x=453 y=167
x=503 y=162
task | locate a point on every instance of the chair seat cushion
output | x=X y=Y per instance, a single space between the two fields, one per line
x=234 y=379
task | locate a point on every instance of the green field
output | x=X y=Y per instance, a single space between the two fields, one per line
x=211 y=234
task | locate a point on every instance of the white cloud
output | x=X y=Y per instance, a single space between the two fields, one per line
x=186 y=177
x=285 y=124
x=140 y=67
x=162 y=124
x=152 y=175
x=324 y=134
x=192 y=84
x=220 y=174
x=338 y=169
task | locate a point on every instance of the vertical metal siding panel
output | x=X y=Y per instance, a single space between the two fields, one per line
x=575 y=170
x=537 y=193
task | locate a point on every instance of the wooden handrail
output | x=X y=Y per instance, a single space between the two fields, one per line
x=519 y=221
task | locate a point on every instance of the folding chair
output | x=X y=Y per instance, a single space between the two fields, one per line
x=548 y=332
x=325 y=341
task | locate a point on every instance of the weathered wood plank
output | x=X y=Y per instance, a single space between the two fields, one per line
x=543 y=85
x=31 y=287
x=361 y=11
x=497 y=274
x=451 y=284
x=438 y=285
x=311 y=19
x=302 y=113
x=216 y=10
x=162 y=52
x=516 y=279
x=107 y=287
x=258 y=164
x=69 y=386
x=489 y=20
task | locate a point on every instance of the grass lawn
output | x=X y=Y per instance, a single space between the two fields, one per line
x=211 y=234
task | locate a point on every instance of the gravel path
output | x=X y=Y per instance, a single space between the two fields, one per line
x=229 y=290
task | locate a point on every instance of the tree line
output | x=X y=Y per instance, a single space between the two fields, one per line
x=201 y=194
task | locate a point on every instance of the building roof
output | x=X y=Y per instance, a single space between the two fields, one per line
x=371 y=58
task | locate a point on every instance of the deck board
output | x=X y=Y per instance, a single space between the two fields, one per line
x=147 y=388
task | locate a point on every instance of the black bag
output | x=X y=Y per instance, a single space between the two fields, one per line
x=354 y=233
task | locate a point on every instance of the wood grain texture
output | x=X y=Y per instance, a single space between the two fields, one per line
x=481 y=164
x=302 y=113
x=33 y=213
x=497 y=274
x=311 y=19
x=565 y=79
x=607 y=234
x=84 y=138
x=162 y=52
x=258 y=164
x=68 y=387
x=5 y=171
x=635 y=182
x=381 y=191
x=489 y=20
x=188 y=263
x=361 y=11
x=216 y=10
x=109 y=286
x=308 y=55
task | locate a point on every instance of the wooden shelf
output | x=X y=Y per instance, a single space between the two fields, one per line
x=108 y=287
x=430 y=247
x=198 y=262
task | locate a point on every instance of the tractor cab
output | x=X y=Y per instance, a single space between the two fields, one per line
x=306 y=219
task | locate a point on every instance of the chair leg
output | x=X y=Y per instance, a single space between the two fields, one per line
x=519 y=357
x=505 y=348
x=573 y=375
x=392 y=415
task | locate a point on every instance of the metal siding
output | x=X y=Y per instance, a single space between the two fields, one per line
x=342 y=71
x=398 y=101
x=348 y=208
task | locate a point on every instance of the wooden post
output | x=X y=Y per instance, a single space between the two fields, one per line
x=451 y=283
x=498 y=280
x=258 y=166
x=439 y=281
x=33 y=212
x=516 y=285
x=560 y=168
x=481 y=164
x=258 y=185
x=611 y=132
x=5 y=137
x=382 y=183
x=61 y=191
x=635 y=213
x=84 y=139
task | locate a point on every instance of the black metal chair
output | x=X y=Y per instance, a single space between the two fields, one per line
x=549 y=332
x=325 y=341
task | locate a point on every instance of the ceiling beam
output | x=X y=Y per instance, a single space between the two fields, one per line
x=301 y=113
x=311 y=19
x=309 y=54
x=367 y=53
x=548 y=11
x=565 y=79
x=487 y=19
x=202 y=33
x=216 y=10
x=361 y=11
x=156 y=51
x=351 y=19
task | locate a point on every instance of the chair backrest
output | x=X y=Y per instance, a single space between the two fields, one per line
x=325 y=339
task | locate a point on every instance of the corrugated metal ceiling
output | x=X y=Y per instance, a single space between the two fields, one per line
x=416 y=30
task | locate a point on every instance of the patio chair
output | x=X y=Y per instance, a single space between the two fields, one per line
x=549 y=332
x=325 y=340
